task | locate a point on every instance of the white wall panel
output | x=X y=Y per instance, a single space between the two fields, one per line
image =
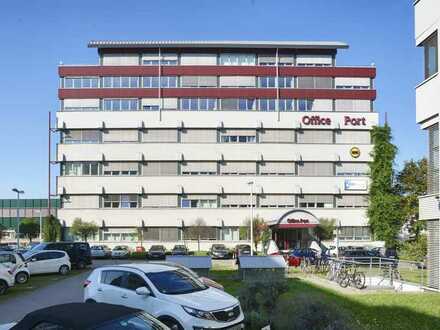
x=120 y=59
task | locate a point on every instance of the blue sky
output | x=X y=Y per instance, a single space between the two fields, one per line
x=37 y=35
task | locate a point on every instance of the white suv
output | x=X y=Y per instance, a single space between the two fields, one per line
x=6 y=279
x=171 y=294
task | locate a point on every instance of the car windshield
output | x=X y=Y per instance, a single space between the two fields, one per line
x=157 y=248
x=179 y=247
x=219 y=247
x=245 y=248
x=176 y=282
x=38 y=247
x=130 y=322
x=120 y=248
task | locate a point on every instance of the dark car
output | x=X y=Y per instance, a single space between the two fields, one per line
x=242 y=250
x=179 y=250
x=79 y=252
x=93 y=316
x=6 y=247
x=219 y=251
x=156 y=252
x=367 y=257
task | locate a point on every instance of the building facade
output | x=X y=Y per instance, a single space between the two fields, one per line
x=161 y=135
x=427 y=23
x=26 y=208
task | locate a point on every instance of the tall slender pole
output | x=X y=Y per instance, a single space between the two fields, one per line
x=252 y=216
x=41 y=227
x=48 y=167
x=18 y=220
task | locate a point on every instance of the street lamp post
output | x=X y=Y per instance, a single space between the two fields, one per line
x=251 y=184
x=41 y=225
x=18 y=214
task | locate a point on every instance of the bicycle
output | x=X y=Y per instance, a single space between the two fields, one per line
x=352 y=276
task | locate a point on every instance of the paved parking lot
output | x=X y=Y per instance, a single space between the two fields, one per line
x=65 y=291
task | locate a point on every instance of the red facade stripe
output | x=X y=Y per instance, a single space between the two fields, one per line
x=216 y=93
x=208 y=70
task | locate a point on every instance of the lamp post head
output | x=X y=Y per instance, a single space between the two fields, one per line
x=18 y=191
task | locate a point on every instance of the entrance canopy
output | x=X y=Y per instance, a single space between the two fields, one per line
x=295 y=219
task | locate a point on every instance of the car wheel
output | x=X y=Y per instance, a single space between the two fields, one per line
x=64 y=269
x=21 y=278
x=171 y=323
x=80 y=264
x=3 y=287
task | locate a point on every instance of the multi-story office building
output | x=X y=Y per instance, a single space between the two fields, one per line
x=427 y=24
x=160 y=134
x=36 y=209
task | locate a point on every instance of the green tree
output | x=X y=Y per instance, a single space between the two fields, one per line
x=83 y=229
x=259 y=228
x=197 y=229
x=411 y=182
x=415 y=250
x=51 y=229
x=29 y=228
x=384 y=210
x=324 y=231
x=2 y=230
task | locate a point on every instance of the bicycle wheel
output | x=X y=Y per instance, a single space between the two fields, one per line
x=359 y=280
x=344 y=282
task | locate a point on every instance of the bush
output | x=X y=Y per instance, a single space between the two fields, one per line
x=138 y=255
x=414 y=250
x=312 y=312
x=258 y=301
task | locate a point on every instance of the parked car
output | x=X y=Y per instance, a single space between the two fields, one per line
x=121 y=251
x=367 y=257
x=179 y=250
x=79 y=252
x=175 y=297
x=100 y=251
x=156 y=252
x=242 y=250
x=17 y=265
x=6 y=279
x=220 y=251
x=50 y=261
x=6 y=247
x=93 y=316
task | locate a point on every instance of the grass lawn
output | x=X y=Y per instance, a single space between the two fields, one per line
x=36 y=282
x=373 y=310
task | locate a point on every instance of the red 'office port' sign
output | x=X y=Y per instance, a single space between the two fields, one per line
x=326 y=121
x=293 y=220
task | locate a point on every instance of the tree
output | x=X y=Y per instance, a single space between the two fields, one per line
x=411 y=182
x=384 y=210
x=2 y=230
x=197 y=229
x=324 y=231
x=259 y=227
x=51 y=229
x=83 y=229
x=29 y=228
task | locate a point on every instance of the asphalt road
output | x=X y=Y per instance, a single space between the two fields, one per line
x=65 y=291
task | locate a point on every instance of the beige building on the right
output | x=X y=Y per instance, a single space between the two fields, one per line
x=427 y=24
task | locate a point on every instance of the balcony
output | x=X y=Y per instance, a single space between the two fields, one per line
x=428 y=98
x=429 y=207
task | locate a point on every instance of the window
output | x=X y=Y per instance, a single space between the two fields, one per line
x=285 y=82
x=160 y=201
x=81 y=105
x=48 y=326
x=120 y=234
x=121 y=104
x=286 y=105
x=266 y=60
x=206 y=233
x=198 y=104
x=81 y=82
x=277 y=168
x=155 y=59
x=134 y=281
x=237 y=201
x=305 y=104
x=315 y=201
x=430 y=46
x=7 y=258
x=204 y=202
x=120 y=135
x=153 y=81
x=237 y=104
x=119 y=168
x=313 y=60
x=238 y=139
x=314 y=136
x=81 y=136
x=161 y=135
x=348 y=105
x=355 y=233
x=352 y=169
x=238 y=168
x=198 y=81
x=266 y=82
x=351 y=201
x=315 y=82
x=315 y=169
x=276 y=201
x=121 y=82
x=352 y=83
x=237 y=59
x=267 y=104
x=199 y=168
x=112 y=277
x=352 y=137
x=120 y=201
x=433 y=159
x=80 y=168
x=160 y=169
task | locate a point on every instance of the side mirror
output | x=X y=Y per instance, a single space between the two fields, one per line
x=143 y=291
